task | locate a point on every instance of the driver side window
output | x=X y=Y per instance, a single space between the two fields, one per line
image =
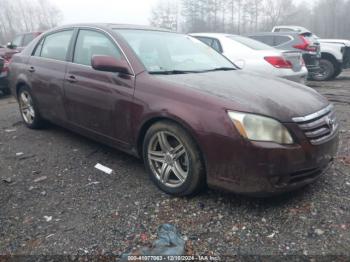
x=90 y=43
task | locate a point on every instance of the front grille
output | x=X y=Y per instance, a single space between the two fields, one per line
x=319 y=127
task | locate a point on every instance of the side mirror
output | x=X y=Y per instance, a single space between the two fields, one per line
x=109 y=64
x=10 y=45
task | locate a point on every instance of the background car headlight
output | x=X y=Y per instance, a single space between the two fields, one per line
x=260 y=128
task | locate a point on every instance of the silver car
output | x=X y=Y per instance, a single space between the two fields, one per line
x=294 y=41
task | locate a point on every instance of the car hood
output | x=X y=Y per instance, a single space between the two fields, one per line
x=335 y=41
x=254 y=93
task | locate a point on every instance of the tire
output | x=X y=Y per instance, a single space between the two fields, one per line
x=327 y=71
x=6 y=91
x=337 y=72
x=28 y=109
x=184 y=172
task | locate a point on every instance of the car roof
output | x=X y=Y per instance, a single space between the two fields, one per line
x=211 y=34
x=114 y=26
x=299 y=29
x=274 y=33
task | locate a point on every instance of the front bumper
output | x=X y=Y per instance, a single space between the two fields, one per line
x=261 y=169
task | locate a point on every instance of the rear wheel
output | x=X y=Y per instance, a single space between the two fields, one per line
x=173 y=159
x=327 y=70
x=28 y=109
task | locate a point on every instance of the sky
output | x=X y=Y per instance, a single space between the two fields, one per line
x=99 y=11
x=114 y=11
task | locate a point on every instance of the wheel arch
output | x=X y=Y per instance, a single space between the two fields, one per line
x=22 y=81
x=331 y=58
x=151 y=121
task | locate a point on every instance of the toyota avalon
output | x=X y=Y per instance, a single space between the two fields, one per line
x=187 y=111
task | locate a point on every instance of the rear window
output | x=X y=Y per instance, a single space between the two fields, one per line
x=280 y=40
x=251 y=43
x=266 y=39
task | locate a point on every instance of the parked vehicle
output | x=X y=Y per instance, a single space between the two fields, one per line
x=6 y=53
x=294 y=41
x=257 y=57
x=4 y=88
x=22 y=40
x=17 y=44
x=179 y=105
x=335 y=53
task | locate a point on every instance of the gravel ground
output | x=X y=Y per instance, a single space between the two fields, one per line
x=53 y=201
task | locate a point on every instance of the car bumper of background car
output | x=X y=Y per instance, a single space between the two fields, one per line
x=312 y=63
x=3 y=81
x=264 y=169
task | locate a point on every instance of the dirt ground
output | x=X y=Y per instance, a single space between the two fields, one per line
x=53 y=201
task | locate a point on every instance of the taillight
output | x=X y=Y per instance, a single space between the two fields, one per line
x=305 y=45
x=5 y=68
x=279 y=62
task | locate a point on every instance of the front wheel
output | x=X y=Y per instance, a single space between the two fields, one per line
x=28 y=109
x=6 y=91
x=337 y=72
x=327 y=70
x=173 y=160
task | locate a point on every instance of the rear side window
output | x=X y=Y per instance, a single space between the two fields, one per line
x=17 y=41
x=28 y=38
x=205 y=40
x=56 y=45
x=90 y=43
x=212 y=42
x=280 y=40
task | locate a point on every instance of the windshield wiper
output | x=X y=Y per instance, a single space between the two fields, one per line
x=172 y=72
x=179 y=72
x=221 y=69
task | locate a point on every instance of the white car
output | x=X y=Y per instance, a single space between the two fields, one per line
x=254 y=56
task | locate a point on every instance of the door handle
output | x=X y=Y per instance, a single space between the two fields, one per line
x=31 y=69
x=71 y=79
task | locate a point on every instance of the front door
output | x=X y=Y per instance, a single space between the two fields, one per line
x=95 y=100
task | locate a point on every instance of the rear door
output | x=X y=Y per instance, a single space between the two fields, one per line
x=47 y=68
x=98 y=101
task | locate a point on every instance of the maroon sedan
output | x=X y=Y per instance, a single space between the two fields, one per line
x=183 y=108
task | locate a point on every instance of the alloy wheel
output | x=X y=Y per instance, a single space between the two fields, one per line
x=168 y=159
x=27 y=107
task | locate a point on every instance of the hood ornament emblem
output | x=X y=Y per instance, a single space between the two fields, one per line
x=331 y=123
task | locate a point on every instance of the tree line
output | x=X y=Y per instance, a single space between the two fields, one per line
x=326 y=18
x=18 y=16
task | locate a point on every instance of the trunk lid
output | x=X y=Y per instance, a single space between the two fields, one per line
x=295 y=58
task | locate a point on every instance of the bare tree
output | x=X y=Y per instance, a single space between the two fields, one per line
x=328 y=18
x=18 y=16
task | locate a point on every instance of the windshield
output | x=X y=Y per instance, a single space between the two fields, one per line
x=172 y=52
x=251 y=43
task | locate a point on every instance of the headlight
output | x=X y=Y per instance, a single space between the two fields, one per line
x=260 y=128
